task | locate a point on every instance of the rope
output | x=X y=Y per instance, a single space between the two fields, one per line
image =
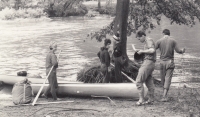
x=63 y=109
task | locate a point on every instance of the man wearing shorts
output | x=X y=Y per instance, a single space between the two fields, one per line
x=167 y=45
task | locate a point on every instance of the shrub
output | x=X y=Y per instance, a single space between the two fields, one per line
x=11 y=14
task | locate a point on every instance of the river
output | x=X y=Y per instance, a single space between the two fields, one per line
x=24 y=45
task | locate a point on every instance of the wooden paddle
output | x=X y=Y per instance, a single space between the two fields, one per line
x=126 y=75
x=44 y=83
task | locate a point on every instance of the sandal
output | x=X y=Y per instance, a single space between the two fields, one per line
x=139 y=103
x=149 y=102
x=164 y=99
x=44 y=96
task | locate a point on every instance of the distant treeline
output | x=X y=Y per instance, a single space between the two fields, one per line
x=49 y=8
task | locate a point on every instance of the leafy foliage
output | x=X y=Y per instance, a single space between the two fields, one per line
x=146 y=15
x=66 y=8
x=100 y=35
x=11 y=14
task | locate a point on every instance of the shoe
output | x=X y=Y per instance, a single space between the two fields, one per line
x=164 y=99
x=149 y=102
x=139 y=103
x=44 y=96
x=58 y=99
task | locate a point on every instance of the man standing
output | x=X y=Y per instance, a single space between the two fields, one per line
x=51 y=61
x=146 y=69
x=104 y=57
x=167 y=45
x=118 y=58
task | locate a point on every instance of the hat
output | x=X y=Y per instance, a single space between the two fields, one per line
x=52 y=44
x=107 y=41
x=116 y=36
x=138 y=57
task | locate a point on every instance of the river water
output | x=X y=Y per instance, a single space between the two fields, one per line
x=24 y=45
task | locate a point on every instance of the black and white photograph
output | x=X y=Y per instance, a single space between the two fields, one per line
x=100 y=58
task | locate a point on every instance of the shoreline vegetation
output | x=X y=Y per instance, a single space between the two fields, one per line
x=13 y=9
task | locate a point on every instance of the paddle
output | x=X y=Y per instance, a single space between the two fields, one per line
x=126 y=75
x=44 y=83
x=133 y=47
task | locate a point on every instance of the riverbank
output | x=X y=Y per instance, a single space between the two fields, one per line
x=11 y=10
x=178 y=106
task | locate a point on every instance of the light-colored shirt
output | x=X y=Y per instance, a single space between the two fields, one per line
x=149 y=43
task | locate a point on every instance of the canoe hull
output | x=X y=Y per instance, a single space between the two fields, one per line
x=67 y=88
x=121 y=90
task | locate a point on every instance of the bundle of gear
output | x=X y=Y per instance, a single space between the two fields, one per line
x=22 y=92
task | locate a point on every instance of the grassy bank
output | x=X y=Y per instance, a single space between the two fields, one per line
x=178 y=106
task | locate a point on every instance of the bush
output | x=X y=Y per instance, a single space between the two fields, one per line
x=11 y=14
x=66 y=8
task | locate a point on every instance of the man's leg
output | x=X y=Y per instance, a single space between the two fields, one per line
x=150 y=85
x=53 y=92
x=144 y=72
x=168 y=78
x=46 y=92
x=162 y=73
x=118 y=74
x=139 y=83
x=54 y=86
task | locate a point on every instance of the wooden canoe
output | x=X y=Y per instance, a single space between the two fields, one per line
x=67 y=88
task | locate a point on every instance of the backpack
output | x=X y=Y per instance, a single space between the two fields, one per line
x=117 y=51
x=22 y=92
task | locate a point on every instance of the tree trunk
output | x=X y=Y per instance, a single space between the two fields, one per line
x=120 y=23
x=17 y=4
x=99 y=4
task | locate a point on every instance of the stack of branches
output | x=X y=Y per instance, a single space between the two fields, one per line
x=92 y=73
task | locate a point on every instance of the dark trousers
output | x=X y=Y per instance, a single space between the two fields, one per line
x=118 y=69
x=104 y=70
x=166 y=73
x=53 y=85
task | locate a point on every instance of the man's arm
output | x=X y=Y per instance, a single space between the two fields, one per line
x=178 y=50
x=54 y=61
x=98 y=54
x=147 y=51
x=151 y=49
x=157 y=44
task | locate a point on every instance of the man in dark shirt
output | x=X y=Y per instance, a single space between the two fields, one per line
x=118 y=58
x=104 y=57
x=51 y=61
x=167 y=45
